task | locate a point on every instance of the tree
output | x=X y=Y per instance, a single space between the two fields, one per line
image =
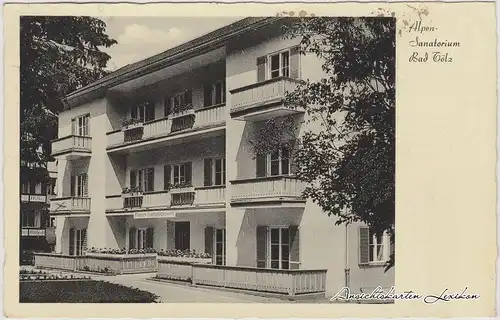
x=58 y=54
x=350 y=163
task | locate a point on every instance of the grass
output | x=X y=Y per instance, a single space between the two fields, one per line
x=86 y=291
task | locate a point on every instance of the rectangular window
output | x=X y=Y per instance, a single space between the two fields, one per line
x=141 y=238
x=214 y=94
x=220 y=247
x=273 y=164
x=143 y=112
x=279 y=247
x=78 y=241
x=214 y=172
x=80 y=125
x=377 y=247
x=79 y=185
x=144 y=179
x=181 y=173
x=280 y=64
x=182 y=235
x=30 y=219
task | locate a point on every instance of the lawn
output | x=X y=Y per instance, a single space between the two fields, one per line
x=90 y=291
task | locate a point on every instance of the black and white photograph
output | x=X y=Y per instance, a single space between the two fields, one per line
x=207 y=159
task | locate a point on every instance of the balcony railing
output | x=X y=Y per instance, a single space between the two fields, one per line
x=267 y=188
x=72 y=144
x=70 y=205
x=254 y=97
x=201 y=196
x=188 y=119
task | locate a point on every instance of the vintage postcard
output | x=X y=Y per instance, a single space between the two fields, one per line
x=195 y=160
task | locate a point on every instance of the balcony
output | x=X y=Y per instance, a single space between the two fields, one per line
x=186 y=198
x=276 y=190
x=263 y=100
x=72 y=147
x=32 y=232
x=70 y=205
x=34 y=198
x=177 y=128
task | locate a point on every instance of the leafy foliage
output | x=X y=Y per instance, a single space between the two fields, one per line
x=350 y=161
x=58 y=54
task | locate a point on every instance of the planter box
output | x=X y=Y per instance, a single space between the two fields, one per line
x=182 y=190
x=132 y=195
x=59 y=261
x=132 y=126
x=122 y=263
x=178 y=268
x=182 y=113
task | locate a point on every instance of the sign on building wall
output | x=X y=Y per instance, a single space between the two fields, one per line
x=154 y=214
x=37 y=198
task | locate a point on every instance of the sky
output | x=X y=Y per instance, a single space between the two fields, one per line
x=141 y=37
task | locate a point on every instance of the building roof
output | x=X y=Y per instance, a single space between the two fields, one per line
x=164 y=59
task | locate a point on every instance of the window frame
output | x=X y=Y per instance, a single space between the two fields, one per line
x=213 y=93
x=81 y=184
x=78 y=241
x=26 y=216
x=372 y=248
x=280 y=244
x=141 y=175
x=280 y=54
x=213 y=172
x=223 y=245
x=178 y=165
x=280 y=159
x=83 y=129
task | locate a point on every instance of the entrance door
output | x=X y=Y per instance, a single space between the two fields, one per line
x=182 y=235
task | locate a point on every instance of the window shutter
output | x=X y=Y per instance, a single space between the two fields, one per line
x=85 y=185
x=133 y=112
x=167 y=106
x=188 y=172
x=132 y=178
x=84 y=240
x=131 y=238
x=149 y=237
x=72 y=242
x=150 y=111
x=261 y=246
x=261 y=165
x=207 y=178
x=294 y=63
x=170 y=235
x=209 y=241
x=364 y=245
x=72 y=186
x=32 y=188
x=151 y=179
x=188 y=96
x=261 y=68
x=294 y=247
x=166 y=177
x=392 y=245
x=207 y=95
x=87 y=125
x=73 y=126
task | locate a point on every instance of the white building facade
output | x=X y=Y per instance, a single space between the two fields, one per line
x=158 y=155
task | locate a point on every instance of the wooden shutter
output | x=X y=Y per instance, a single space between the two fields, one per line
x=209 y=242
x=87 y=125
x=167 y=106
x=72 y=242
x=84 y=240
x=188 y=172
x=294 y=247
x=131 y=238
x=73 y=126
x=72 y=185
x=132 y=178
x=261 y=246
x=261 y=165
x=149 y=237
x=188 y=96
x=133 y=112
x=207 y=172
x=207 y=95
x=151 y=179
x=150 y=111
x=85 y=185
x=166 y=177
x=261 y=68
x=364 y=245
x=294 y=63
x=392 y=245
x=170 y=235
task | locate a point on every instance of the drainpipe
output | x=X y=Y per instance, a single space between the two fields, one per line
x=346 y=265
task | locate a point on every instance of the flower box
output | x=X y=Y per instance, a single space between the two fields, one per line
x=182 y=113
x=122 y=263
x=184 y=259
x=182 y=190
x=132 y=125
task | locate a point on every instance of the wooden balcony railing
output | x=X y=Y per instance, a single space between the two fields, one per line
x=210 y=195
x=276 y=187
x=70 y=205
x=72 y=143
x=193 y=118
x=289 y=282
x=261 y=93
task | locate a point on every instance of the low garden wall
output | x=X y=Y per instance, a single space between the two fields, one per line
x=178 y=268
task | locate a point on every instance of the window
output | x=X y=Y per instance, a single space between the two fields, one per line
x=214 y=172
x=181 y=173
x=280 y=65
x=143 y=179
x=274 y=164
x=52 y=222
x=214 y=94
x=373 y=248
x=25 y=188
x=77 y=241
x=79 y=185
x=143 y=112
x=220 y=246
x=80 y=125
x=279 y=247
x=141 y=238
x=182 y=235
x=30 y=219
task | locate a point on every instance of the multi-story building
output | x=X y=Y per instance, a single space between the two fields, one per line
x=37 y=230
x=158 y=154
